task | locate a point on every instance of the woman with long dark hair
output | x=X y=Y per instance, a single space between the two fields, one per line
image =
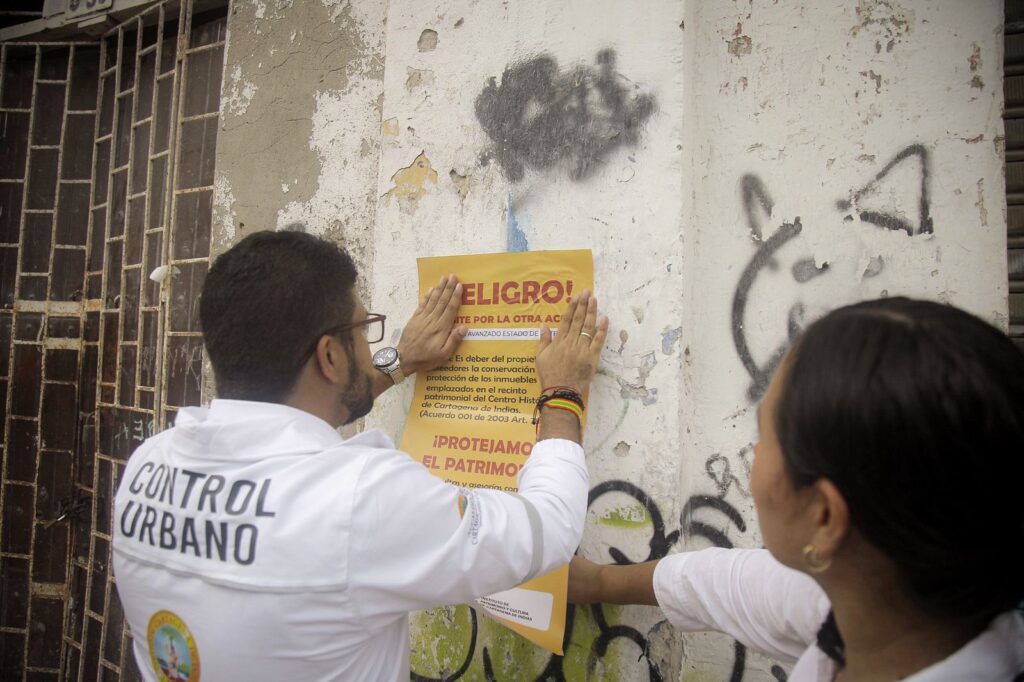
x=887 y=481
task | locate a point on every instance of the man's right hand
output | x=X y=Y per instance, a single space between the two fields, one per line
x=570 y=358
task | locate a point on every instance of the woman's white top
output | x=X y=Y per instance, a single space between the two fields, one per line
x=747 y=594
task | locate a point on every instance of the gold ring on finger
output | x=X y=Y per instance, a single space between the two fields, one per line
x=589 y=336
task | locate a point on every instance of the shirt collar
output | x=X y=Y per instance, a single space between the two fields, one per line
x=245 y=429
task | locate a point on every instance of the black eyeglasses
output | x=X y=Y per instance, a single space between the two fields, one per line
x=373 y=329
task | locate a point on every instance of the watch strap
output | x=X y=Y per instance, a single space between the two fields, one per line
x=395 y=372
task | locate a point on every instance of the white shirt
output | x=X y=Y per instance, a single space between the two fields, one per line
x=747 y=594
x=253 y=538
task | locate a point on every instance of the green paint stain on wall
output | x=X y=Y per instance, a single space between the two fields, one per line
x=581 y=663
x=440 y=639
x=513 y=657
x=625 y=517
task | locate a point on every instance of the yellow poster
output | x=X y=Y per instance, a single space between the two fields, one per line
x=470 y=421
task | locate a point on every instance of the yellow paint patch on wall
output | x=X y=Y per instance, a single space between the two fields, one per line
x=411 y=182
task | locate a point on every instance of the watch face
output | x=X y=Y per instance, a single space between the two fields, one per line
x=384 y=357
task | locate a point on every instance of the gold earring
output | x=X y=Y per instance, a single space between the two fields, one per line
x=814 y=564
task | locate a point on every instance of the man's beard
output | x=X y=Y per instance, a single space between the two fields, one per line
x=358 y=399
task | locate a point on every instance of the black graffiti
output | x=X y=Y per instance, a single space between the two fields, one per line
x=609 y=633
x=719 y=470
x=659 y=545
x=758 y=205
x=806 y=269
x=661 y=542
x=763 y=258
x=707 y=531
x=891 y=221
x=540 y=117
x=739 y=662
x=754 y=195
x=718 y=538
x=416 y=677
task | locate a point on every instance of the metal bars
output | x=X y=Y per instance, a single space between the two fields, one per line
x=149 y=150
x=106 y=174
x=1013 y=118
x=47 y=108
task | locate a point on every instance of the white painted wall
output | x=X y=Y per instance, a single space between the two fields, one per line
x=811 y=101
x=801 y=104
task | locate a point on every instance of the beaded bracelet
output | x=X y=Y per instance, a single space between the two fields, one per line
x=562 y=399
x=560 y=392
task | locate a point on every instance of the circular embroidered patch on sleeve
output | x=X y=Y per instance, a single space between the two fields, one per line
x=172 y=650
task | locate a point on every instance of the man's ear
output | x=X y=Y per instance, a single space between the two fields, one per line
x=331 y=359
x=832 y=522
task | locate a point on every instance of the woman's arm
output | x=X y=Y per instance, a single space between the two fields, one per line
x=744 y=593
x=591 y=583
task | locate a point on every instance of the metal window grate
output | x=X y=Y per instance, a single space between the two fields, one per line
x=1013 y=118
x=106 y=173
x=47 y=109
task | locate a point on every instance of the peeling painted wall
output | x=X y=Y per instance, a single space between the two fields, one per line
x=738 y=169
x=837 y=151
x=300 y=105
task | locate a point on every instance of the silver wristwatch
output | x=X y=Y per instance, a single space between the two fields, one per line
x=388 y=361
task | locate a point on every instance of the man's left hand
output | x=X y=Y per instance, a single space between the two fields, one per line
x=431 y=336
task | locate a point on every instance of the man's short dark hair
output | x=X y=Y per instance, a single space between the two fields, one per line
x=264 y=302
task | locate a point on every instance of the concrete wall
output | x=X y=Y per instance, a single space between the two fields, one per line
x=738 y=168
x=300 y=105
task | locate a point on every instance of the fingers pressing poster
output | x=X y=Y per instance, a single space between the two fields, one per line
x=470 y=421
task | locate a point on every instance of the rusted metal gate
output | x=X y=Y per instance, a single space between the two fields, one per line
x=1013 y=118
x=106 y=174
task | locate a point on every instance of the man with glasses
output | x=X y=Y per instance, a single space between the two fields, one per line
x=253 y=542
